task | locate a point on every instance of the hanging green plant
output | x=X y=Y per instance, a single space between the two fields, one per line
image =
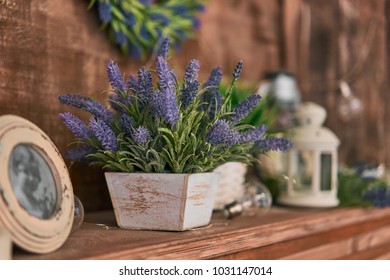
x=138 y=26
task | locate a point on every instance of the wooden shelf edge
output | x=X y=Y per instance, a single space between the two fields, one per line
x=221 y=238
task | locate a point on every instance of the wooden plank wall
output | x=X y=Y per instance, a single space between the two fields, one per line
x=50 y=48
x=345 y=40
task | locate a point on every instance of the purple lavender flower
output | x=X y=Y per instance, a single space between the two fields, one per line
x=180 y=9
x=237 y=70
x=114 y=99
x=97 y=109
x=141 y=135
x=104 y=134
x=255 y=134
x=189 y=93
x=161 y=18
x=163 y=105
x=212 y=101
x=165 y=75
x=74 y=100
x=157 y=104
x=134 y=51
x=145 y=34
x=273 y=144
x=104 y=10
x=200 y=8
x=212 y=98
x=191 y=72
x=120 y=37
x=80 y=153
x=196 y=23
x=146 y=2
x=126 y=122
x=130 y=19
x=145 y=83
x=379 y=196
x=171 y=110
x=245 y=107
x=132 y=84
x=221 y=133
x=164 y=47
x=77 y=126
x=214 y=79
x=115 y=77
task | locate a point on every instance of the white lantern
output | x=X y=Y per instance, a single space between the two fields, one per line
x=311 y=171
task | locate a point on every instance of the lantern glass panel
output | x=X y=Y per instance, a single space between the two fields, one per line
x=304 y=173
x=326 y=172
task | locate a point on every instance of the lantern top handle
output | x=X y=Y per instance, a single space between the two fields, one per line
x=310 y=114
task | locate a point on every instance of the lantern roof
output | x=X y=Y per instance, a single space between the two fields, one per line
x=310 y=133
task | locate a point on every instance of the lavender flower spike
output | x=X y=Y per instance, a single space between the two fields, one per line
x=245 y=107
x=97 y=109
x=141 y=135
x=273 y=144
x=126 y=122
x=104 y=10
x=191 y=73
x=156 y=104
x=114 y=99
x=115 y=77
x=163 y=105
x=77 y=126
x=171 y=111
x=189 y=93
x=74 y=100
x=255 y=134
x=165 y=74
x=212 y=96
x=237 y=70
x=145 y=83
x=220 y=133
x=164 y=47
x=80 y=153
x=132 y=83
x=104 y=134
x=379 y=196
x=215 y=78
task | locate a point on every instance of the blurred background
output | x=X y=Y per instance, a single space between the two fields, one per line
x=335 y=49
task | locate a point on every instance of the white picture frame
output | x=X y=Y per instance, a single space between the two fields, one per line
x=36 y=194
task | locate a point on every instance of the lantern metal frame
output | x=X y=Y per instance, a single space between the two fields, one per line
x=311 y=168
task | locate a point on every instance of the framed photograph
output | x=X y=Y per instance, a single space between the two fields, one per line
x=36 y=194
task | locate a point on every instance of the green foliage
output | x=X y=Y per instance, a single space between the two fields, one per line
x=148 y=129
x=265 y=113
x=138 y=26
x=351 y=189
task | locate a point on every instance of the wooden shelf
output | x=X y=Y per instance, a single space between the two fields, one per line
x=282 y=233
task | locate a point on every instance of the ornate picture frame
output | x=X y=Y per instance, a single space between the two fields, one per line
x=36 y=194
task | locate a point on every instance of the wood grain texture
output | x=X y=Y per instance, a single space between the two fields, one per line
x=174 y=202
x=290 y=230
x=297 y=246
x=348 y=42
x=50 y=48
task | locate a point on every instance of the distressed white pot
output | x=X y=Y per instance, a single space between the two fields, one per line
x=157 y=201
x=232 y=183
x=5 y=244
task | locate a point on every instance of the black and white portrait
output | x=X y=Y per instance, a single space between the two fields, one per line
x=32 y=181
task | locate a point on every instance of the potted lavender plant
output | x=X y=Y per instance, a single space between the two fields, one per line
x=160 y=143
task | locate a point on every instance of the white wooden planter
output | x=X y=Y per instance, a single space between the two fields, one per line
x=155 y=201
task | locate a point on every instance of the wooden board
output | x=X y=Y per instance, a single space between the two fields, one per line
x=282 y=233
